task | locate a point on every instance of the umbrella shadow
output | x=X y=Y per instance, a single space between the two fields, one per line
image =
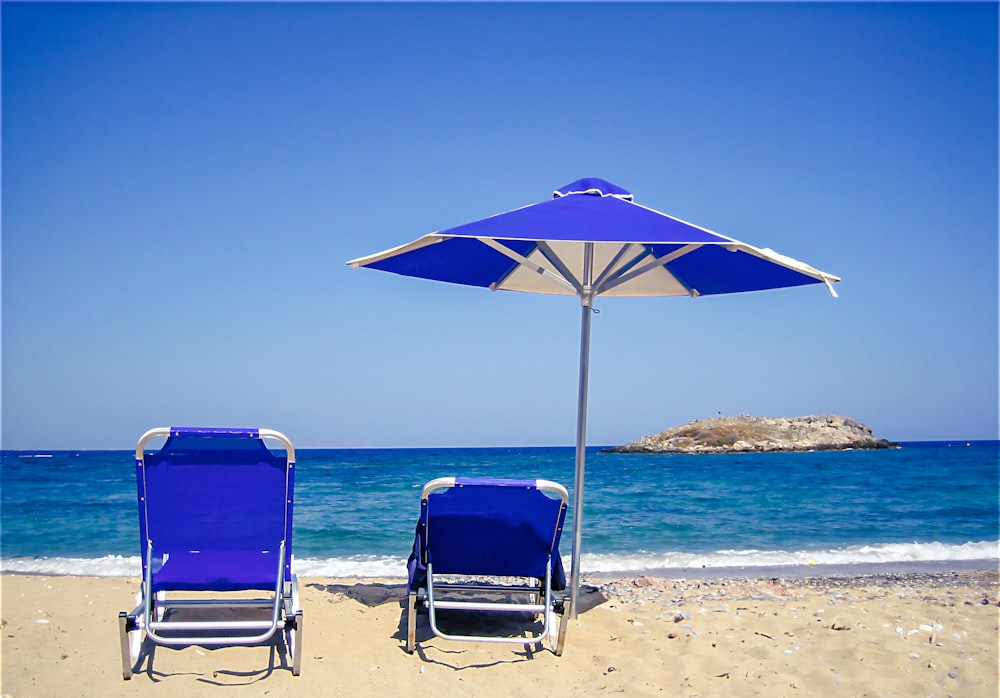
x=369 y=594
x=374 y=594
x=590 y=597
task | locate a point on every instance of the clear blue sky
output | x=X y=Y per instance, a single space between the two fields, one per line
x=182 y=185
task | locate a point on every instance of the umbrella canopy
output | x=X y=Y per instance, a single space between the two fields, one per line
x=591 y=239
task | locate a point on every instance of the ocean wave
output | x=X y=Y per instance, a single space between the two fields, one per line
x=852 y=555
x=364 y=566
x=107 y=566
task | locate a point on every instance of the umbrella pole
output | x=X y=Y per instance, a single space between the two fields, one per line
x=586 y=300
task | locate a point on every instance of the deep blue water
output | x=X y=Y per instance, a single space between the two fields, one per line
x=355 y=509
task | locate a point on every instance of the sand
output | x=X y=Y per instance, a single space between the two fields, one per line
x=876 y=635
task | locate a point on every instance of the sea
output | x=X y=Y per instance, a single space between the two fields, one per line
x=925 y=504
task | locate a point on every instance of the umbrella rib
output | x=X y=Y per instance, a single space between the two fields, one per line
x=612 y=271
x=656 y=262
x=556 y=261
x=425 y=241
x=525 y=262
x=790 y=263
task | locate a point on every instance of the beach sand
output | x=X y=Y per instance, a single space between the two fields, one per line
x=876 y=635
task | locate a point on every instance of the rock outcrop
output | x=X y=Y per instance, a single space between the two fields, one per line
x=746 y=434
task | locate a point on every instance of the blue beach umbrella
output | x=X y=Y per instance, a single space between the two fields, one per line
x=591 y=239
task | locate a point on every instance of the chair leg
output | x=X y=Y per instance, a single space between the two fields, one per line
x=295 y=647
x=564 y=616
x=123 y=631
x=293 y=623
x=411 y=621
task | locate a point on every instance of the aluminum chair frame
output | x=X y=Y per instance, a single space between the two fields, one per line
x=545 y=602
x=151 y=616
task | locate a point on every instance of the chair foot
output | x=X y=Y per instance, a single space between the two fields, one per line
x=565 y=613
x=130 y=638
x=411 y=622
x=293 y=641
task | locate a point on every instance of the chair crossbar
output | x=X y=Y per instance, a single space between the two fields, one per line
x=217 y=603
x=488 y=606
x=221 y=603
x=212 y=625
x=513 y=589
x=155 y=630
x=526 y=640
x=221 y=640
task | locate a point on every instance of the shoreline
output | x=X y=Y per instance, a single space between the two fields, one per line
x=854 y=570
x=789 y=571
x=932 y=632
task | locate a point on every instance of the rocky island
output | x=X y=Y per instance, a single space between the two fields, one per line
x=747 y=434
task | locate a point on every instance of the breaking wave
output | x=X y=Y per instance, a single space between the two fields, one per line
x=365 y=566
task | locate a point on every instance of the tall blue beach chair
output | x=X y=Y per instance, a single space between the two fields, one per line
x=490 y=546
x=215 y=533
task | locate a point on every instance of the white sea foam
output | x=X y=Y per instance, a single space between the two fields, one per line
x=108 y=566
x=360 y=566
x=853 y=555
x=354 y=566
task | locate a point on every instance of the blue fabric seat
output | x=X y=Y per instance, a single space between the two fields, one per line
x=215 y=515
x=482 y=527
x=219 y=570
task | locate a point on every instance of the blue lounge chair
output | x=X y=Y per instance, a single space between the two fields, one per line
x=471 y=528
x=215 y=515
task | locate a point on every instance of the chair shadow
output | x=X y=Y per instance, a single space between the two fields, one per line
x=278 y=658
x=468 y=622
x=370 y=595
x=464 y=623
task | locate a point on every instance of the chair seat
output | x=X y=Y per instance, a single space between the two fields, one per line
x=218 y=571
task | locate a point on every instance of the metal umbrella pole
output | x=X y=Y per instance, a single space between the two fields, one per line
x=586 y=300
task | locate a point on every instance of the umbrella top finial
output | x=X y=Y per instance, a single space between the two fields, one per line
x=594 y=187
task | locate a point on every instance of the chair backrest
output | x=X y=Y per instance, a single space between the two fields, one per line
x=219 y=490
x=493 y=527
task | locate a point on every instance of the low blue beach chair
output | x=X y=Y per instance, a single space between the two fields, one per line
x=215 y=522
x=503 y=530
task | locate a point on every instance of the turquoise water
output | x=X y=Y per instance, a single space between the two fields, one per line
x=75 y=512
